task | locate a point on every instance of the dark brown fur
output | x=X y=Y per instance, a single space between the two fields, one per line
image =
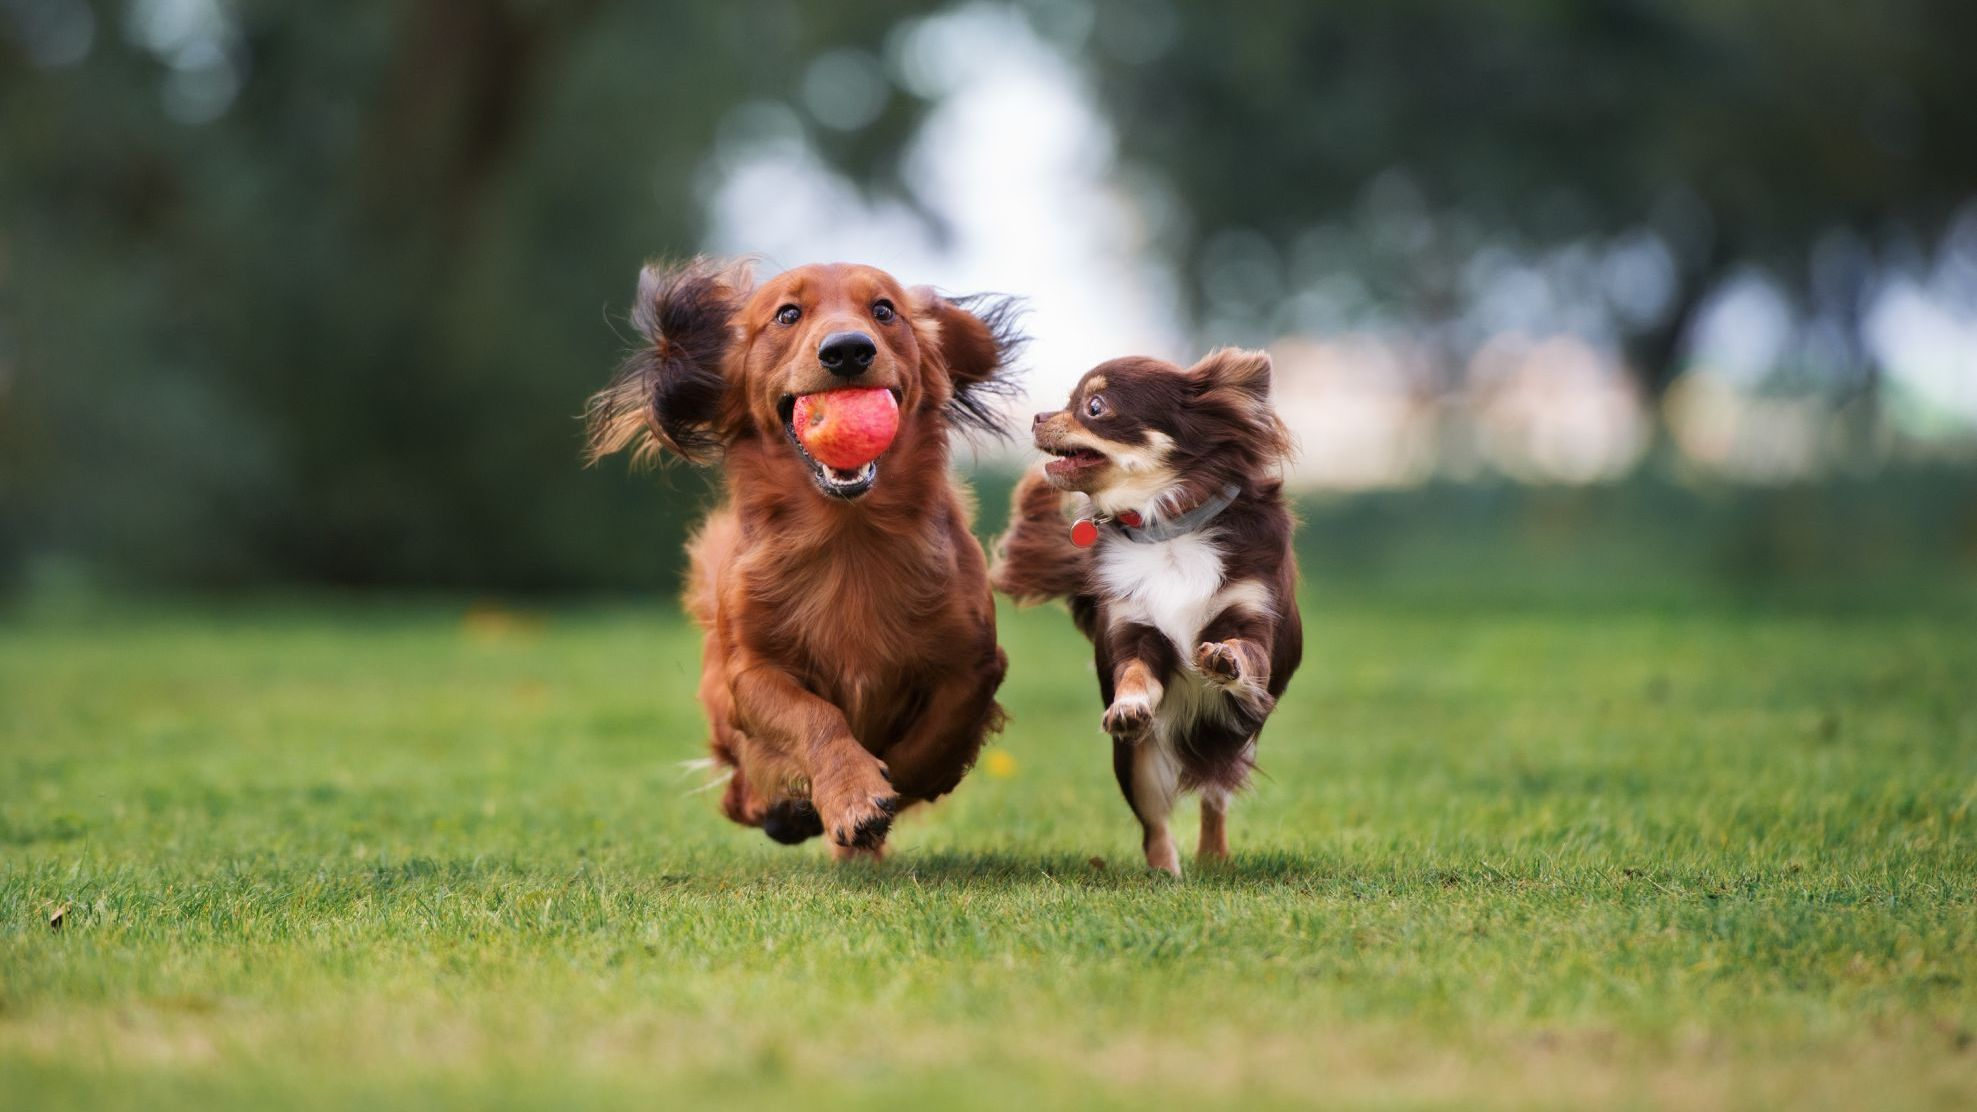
x=850 y=661
x=1146 y=436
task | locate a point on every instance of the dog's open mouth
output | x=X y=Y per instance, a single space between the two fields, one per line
x=1071 y=461
x=835 y=482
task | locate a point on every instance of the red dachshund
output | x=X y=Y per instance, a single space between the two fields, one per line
x=850 y=662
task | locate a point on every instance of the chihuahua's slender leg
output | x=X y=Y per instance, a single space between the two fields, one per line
x=1150 y=776
x=1214 y=844
x=1135 y=696
x=1234 y=655
x=1135 y=658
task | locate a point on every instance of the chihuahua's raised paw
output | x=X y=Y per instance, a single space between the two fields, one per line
x=1219 y=661
x=1130 y=717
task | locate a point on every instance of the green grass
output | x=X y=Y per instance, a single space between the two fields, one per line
x=1653 y=852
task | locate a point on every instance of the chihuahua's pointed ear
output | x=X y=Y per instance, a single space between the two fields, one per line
x=1237 y=369
x=670 y=392
x=1235 y=382
x=978 y=340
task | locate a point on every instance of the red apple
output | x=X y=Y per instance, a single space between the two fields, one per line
x=846 y=429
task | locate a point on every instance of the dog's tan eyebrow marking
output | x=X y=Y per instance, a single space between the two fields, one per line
x=1094 y=384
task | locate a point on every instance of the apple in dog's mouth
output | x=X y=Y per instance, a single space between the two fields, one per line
x=841 y=434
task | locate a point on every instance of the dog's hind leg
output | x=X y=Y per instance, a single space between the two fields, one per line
x=941 y=744
x=1150 y=775
x=750 y=794
x=1219 y=776
x=1214 y=844
x=790 y=821
x=1131 y=661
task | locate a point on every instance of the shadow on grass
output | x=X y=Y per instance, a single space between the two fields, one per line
x=953 y=868
x=1253 y=872
x=960 y=869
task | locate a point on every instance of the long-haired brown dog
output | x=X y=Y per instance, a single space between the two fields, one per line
x=1178 y=568
x=850 y=662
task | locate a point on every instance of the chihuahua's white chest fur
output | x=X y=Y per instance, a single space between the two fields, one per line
x=1171 y=585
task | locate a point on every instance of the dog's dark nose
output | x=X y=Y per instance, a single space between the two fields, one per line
x=847 y=353
x=1040 y=419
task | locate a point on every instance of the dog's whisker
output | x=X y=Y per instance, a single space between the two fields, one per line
x=710 y=785
x=697 y=764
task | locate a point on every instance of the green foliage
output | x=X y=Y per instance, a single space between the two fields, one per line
x=1784 y=118
x=344 y=333
x=1742 y=132
x=1503 y=854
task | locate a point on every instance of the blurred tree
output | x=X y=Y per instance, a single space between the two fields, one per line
x=1385 y=144
x=318 y=292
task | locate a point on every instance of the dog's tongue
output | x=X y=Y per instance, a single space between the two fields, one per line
x=846 y=429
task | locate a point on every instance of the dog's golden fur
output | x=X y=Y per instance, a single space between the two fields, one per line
x=850 y=661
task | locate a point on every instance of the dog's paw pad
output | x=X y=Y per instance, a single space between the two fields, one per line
x=866 y=827
x=1218 y=661
x=1129 y=718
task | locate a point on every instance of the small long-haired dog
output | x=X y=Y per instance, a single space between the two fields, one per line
x=850 y=661
x=1178 y=567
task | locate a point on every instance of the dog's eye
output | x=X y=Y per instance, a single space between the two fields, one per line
x=788 y=314
x=1095 y=406
x=882 y=311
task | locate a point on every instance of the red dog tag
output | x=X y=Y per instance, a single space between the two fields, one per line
x=1084 y=533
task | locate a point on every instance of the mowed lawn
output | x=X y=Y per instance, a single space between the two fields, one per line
x=1593 y=852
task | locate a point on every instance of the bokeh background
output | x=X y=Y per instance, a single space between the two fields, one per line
x=1559 y=291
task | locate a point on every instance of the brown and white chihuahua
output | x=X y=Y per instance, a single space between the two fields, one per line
x=1161 y=520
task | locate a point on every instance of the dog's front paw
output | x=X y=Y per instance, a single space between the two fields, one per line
x=790 y=821
x=865 y=825
x=1219 y=661
x=1129 y=718
x=858 y=813
x=1240 y=671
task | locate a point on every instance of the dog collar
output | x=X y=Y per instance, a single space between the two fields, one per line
x=1084 y=531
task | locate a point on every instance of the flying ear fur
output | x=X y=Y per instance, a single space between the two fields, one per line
x=978 y=341
x=668 y=394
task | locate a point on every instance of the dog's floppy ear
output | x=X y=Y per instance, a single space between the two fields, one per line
x=669 y=394
x=978 y=341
